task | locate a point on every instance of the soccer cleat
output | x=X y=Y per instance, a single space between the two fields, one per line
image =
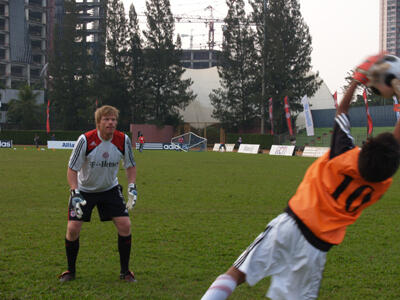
x=128 y=276
x=66 y=276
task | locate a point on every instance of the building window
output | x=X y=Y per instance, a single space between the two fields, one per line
x=201 y=55
x=186 y=55
x=37 y=59
x=35 y=2
x=17 y=84
x=36 y=45
x=2 y=24
x=2 y=10
x=2 y=69
x=35 y=16
x=2 y=39
x=35 y=73
x=17 y=71
x=35 y=30
x=2 y=53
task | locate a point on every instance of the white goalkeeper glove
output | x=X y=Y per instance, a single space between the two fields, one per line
x=132 y=196
x=77 y=201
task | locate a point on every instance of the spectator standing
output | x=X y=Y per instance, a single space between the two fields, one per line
x=36 y=140
x=141 y=142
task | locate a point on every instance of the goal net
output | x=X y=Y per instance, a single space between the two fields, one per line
x=189 y=142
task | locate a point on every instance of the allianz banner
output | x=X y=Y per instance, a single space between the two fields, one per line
x=6 y=144
x=61 y=144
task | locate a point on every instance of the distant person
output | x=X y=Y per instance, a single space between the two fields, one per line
x=53 y=137
x=141 y=142
x=335 y=189
x=180 y=141
x=92 y=177
x=239 y=142
x=36 y=140
x=222 y=146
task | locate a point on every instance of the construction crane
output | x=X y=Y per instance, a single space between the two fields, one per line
x=191 y=35
x=208 y=21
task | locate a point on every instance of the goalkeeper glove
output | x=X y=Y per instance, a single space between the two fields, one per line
x=132 y=196
x=362 y=71
x=77 y=201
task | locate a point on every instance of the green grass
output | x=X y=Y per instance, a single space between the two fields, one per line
x=195 y=214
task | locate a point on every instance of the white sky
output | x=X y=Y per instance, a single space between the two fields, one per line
x=344 y=32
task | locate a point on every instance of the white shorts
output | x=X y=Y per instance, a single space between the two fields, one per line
x=282 y=252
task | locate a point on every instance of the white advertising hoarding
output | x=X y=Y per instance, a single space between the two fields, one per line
x=229 y=147
x=249 y=148
x=281 y=150
x=314 y=151
x=61 y=144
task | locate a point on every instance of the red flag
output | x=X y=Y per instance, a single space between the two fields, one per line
x=370 y=126
x=271 y=116
x=288 y=120
x=48 y=117
x=335 y=99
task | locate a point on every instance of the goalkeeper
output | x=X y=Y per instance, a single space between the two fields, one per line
x=92 y=177
x=334 y=191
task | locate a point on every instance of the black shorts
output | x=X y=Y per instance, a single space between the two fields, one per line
x=109 y=204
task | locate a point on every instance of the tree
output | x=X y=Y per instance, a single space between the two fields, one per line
x=69 y=73
x=168 y=93
x=111 y=81
x=140 y=111
x=287 y=55
x=235 y=104
x=24 y=111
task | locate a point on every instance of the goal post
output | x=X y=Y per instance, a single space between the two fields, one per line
x=189 y=142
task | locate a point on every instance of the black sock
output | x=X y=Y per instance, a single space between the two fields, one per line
x=124 y=248
x=72 y=249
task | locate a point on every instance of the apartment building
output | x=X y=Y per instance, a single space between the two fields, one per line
x=22 y=42
x=389 y=26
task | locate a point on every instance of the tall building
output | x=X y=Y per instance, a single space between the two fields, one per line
x=91 y=23
x=389 y=30
x=22 y=42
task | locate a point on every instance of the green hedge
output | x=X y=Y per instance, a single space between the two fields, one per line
x=25 y=137
x=264 y=140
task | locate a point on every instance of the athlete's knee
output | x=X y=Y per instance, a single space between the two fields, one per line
x=123 y=225
x=73 y=230
x=237 y=275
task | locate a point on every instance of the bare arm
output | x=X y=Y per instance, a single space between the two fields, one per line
x=131 y=174
x=72 y=177
x=345 y=103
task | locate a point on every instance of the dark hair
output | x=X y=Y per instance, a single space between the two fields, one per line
x=379 y=158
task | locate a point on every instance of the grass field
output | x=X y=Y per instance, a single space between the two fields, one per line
x=195 y=214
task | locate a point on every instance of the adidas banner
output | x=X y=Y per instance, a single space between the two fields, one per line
x=6 y=144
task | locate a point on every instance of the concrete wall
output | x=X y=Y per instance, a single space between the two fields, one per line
x=152 y=133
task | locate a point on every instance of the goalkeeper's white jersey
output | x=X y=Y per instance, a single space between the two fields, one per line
x=97 y=160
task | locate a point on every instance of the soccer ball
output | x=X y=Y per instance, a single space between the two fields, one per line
x=381 y=75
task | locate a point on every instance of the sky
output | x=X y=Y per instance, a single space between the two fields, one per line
x=344 y=32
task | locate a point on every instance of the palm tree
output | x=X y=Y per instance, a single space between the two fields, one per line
x=24 y=111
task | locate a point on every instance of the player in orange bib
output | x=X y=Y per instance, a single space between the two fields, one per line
x=334 y=191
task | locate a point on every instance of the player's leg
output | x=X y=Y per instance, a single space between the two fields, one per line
x=123 y=225
x=302 y=279
x=224 y=285
x=266 y=256
x=74 y=227
x=112 y=207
